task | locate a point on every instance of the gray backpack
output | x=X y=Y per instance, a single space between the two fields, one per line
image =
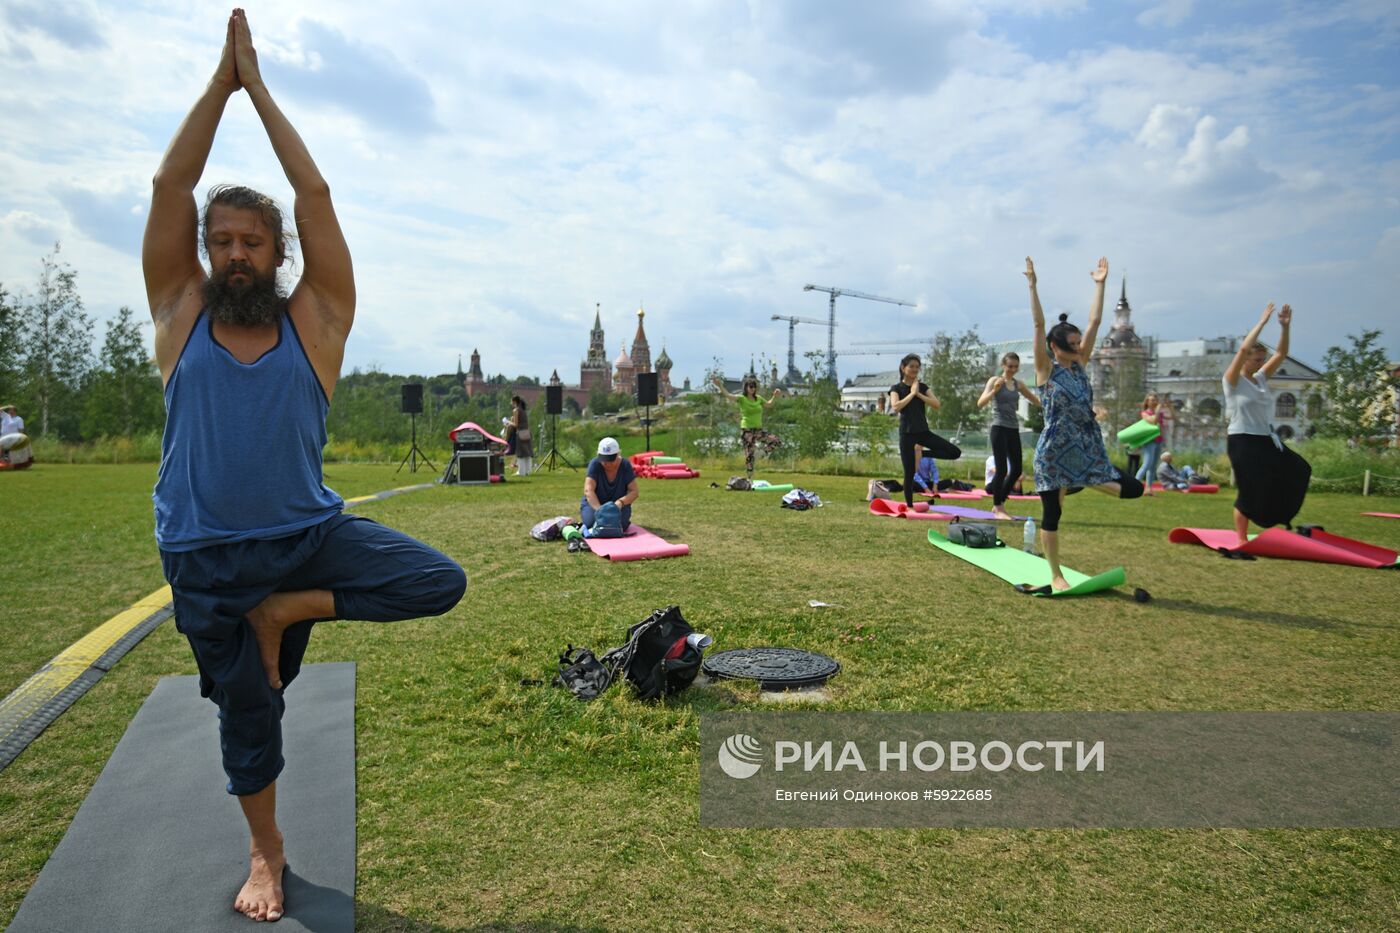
x=739 y=484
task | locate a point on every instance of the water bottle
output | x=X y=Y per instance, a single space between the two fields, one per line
x=1028 y=537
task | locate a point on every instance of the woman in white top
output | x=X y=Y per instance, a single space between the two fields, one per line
x=1270 y=478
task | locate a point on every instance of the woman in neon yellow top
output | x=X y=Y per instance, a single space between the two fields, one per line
x=751 y=432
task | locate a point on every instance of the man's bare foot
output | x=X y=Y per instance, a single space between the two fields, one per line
x=261 y=896
x=1059 y=583
x=268 y=626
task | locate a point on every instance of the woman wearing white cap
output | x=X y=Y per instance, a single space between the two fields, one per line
x=610 y=479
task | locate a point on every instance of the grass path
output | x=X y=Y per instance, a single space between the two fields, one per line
x=487 y=805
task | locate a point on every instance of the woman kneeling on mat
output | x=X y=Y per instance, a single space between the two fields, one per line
x=910 y=398
x=751 y=432
x=1271 y=478
x=1005 y=433
x=1070 y=454
x=610 y=479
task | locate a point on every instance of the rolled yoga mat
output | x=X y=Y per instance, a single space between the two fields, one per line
x=1319 y=547
x=636 y=544
x=661 y=460
x=771 y=487
x=1024 y=570
x=159 y=845
x=1198 y=488
x=1143 y=432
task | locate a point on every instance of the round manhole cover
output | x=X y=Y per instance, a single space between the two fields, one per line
x=773 y=668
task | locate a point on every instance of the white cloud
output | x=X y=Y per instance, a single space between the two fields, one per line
x=1169 y=13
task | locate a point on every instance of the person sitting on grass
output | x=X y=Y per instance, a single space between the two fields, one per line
x=610 y=480
x=1172 y=478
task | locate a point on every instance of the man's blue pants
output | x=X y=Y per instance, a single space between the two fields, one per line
x=375 y=574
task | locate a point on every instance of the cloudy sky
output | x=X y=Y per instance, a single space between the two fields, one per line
x=500 y=168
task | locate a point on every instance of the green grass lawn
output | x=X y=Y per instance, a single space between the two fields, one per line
x=484 y=804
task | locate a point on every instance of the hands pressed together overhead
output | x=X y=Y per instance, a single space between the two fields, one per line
x=238 y=65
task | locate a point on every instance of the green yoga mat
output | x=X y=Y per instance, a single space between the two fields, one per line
x=783 y=487
x=661 y=460
x=1017 y=567
x=1135 y=435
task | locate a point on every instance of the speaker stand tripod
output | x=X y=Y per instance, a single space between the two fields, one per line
x=647 y=421
x=552 y=459
x=414 y=454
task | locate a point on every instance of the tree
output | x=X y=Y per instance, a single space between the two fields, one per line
x=57 y=346
x=816 y=415
x=1360 y=389
x=955 y=372
x=123 y=396
x=11 y=349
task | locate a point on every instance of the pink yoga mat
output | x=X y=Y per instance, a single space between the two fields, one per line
x=974 y=494
x=636 y=544
x=1382 y=514
x=1200 y=487
x=1321 y=547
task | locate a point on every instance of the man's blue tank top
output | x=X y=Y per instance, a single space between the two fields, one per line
x=241 y=455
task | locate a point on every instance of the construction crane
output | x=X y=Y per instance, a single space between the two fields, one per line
x=831 y=323
x=793 y=374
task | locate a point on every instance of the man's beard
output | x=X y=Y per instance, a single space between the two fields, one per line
x=257 y=302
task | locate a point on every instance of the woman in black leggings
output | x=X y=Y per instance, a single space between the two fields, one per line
x=911 y=398
x=1005 y=434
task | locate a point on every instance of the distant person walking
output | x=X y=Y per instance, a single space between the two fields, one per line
x=911 y=399
x=520 y=434
x=1070 y=454
x=1271 y=479
x=1004 y=392
x=751 y=432
x=1151 y=451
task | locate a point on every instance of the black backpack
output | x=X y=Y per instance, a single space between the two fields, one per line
x=642 y=660
x=974 y=534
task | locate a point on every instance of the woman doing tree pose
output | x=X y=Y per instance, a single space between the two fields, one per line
x=1005 y=433
x=910 y=399
x=1070 y=454
x=751 y=432
x=1272 y=479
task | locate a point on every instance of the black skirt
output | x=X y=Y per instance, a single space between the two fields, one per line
x=1271 y=482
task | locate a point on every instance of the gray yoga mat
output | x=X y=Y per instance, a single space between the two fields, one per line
x=158 y=845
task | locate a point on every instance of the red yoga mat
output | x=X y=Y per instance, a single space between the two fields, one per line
x=893 y=509
x=636 y=544
x=1320 y=546
x=1382 y=514
x=1200 y=487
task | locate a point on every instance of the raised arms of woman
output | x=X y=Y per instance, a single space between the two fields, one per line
x=1091 y=334
x=1232 y=372
x=1042 y=355
x=1285 y=317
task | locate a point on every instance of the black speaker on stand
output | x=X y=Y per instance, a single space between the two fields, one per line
x=554 y=407
x=411 y=404
x=646 y=397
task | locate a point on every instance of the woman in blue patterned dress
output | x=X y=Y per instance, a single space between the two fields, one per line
x=1070 y=454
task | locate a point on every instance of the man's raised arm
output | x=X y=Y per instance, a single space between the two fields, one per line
x=328 y=278
x=169 y=251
